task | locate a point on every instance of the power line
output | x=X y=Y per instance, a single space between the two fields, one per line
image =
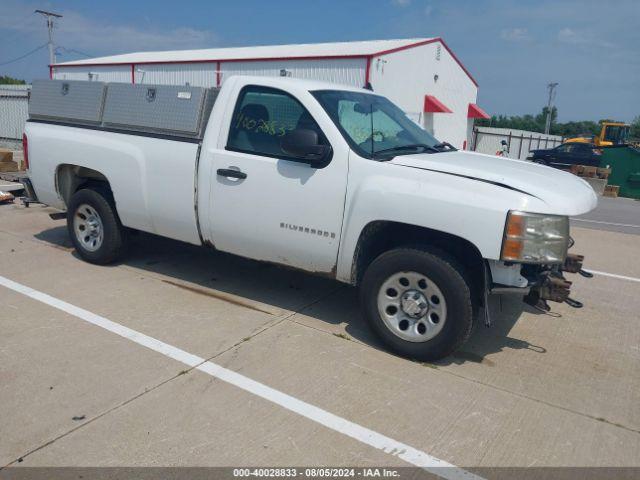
x=25 y=55
x=73 y=50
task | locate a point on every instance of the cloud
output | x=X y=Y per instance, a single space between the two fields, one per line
x=401 y=3
x=573 y=37
x=515 y=34
x=568 y=35
x=91 y=35
x=428 y=10
x=76 y=31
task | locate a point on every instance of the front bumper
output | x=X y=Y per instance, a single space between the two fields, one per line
x=538 y=284
x=548 y=284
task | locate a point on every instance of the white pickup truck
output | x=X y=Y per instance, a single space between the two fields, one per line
x=329 y=179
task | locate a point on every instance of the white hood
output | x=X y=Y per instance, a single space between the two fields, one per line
x=565 y=193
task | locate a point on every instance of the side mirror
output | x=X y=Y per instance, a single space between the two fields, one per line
x=304 y=144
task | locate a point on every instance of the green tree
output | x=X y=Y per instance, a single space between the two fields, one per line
x=635 y=128
x=7 y=80
x=536 y=123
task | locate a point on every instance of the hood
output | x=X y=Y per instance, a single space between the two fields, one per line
x=563 y=192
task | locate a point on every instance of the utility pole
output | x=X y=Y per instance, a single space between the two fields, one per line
x=50 y=16
x=551 y=86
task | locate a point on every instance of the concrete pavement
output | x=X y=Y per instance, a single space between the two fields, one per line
x=543 y=390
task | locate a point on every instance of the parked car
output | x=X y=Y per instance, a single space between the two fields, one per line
x=333 y=180
x=567 y=154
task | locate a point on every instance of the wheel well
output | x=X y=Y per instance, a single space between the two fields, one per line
x=71 y=178
x=380 y=236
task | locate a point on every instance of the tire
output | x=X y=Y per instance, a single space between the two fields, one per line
x=540 y=162
x=446 y=324
x=94 y=227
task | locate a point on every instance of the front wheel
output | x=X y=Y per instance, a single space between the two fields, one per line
x=418 y=301
x=94 y=227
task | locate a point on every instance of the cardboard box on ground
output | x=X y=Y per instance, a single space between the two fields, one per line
x=7 y=163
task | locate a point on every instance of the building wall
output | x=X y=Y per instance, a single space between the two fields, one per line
x=347 y=71
x=13 y=111
x=195 y=74
x=408 y=75
x=405 y=77
x=109 y=73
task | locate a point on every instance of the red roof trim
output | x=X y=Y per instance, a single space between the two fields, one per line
x=476 y=112
x=433 y=105
x=458 y=61
x=266 y=59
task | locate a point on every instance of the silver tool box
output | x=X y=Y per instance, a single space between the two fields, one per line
x=67 y=101
x=178 y=111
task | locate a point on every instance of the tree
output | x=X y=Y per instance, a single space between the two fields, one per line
x=7 y=80
x=635 y=128
x=536 y=124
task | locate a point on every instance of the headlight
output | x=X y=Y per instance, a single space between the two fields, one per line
x=535 y=238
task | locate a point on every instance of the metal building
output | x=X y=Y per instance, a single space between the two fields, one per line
x=13 y=113
x=422 y=76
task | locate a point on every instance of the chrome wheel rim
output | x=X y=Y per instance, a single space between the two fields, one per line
x=412 y=306
x=88 y=227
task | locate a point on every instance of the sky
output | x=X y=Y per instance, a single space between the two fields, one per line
x=512 y=48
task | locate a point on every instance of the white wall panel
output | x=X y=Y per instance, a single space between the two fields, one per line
x=407 y=76
x=195 y=74
x=14 y=101
x=520 y=142
x=347 y=71
x=110 y=73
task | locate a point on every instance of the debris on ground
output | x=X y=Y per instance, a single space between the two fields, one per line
x=6 y=197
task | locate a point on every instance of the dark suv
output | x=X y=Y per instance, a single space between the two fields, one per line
x=567 y=154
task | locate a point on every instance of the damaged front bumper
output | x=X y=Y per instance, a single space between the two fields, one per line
x=538 y=284
x=549 y=284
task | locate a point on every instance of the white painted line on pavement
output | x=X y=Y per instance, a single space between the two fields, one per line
x=605 y=223
x=613 y=275
x=329 y=420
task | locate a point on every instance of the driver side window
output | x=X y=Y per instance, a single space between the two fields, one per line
x=262 y=117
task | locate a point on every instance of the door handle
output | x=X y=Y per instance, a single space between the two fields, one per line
x=230 y=173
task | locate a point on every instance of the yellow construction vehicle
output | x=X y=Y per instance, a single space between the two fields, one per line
x=612 y=133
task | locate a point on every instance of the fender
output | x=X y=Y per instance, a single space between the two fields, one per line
x=465 y=207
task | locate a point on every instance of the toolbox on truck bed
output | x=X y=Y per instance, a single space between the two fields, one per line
x=181 y=111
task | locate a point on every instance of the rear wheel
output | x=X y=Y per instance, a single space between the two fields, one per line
x=94 y=227
x=418 y=301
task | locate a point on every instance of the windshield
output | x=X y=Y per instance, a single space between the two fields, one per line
x=374 y=127
x=617 y=133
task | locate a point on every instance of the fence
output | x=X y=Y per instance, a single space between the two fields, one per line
x=519 y=142
x=14 y=101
